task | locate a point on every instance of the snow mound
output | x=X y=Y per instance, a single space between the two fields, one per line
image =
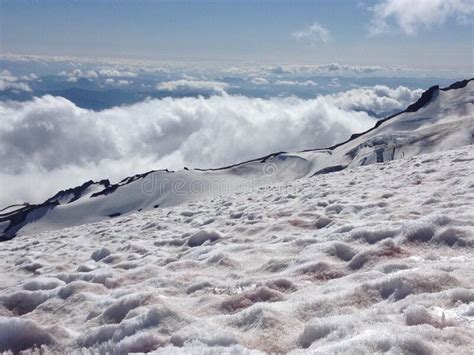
x=117 y=311
x=43 y=283
x=199 y=238
x=100 y=254
x=18 y=334
x=21 y=302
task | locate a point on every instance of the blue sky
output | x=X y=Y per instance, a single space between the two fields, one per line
x=231 y=30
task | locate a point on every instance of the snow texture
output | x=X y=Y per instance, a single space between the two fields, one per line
x=370 y=259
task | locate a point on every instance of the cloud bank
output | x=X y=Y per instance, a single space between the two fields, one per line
x=311 y=70
x=377 y=99
x=181 y=84
x=296 y=83
x=49 y=143
x=410 y=15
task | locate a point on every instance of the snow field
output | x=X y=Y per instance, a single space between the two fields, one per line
x=374 y=259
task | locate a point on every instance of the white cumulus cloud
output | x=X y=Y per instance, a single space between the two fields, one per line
x=49 y=143
x=8 y=85
x=111 y=72
x=11 y=82
x=78 y=73
x=259 y=81
x=411 y=15
x=378 y=99
x=216 y=86
x=313 y=33
x=56 y=144
x=94 y=74
x=296 y=83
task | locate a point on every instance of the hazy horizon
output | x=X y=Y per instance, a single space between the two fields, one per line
x=429 y=34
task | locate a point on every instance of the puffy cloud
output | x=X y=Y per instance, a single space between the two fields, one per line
x=377 y=99
x=295 y=69
x=8 y=85
x=410 y=15
x=280 y=70
x=78 y=73
x=10 y=82
x=124 y=82
x=335 y=83
x=296 y=83
x=259 y=81
x=32 y=76
x=121 y=82
x=181 y=84
x=312 y=34
x=94 y=74
x=358 y=69
x=51 y=141
x=49 y=132
x=91 y=74
x=56 y=144
x=7 y=76
x=111 y=72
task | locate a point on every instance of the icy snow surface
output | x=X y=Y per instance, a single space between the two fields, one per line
x=371 y=259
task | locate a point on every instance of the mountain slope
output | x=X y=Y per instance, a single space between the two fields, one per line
x=439 y=120
x=372 y=259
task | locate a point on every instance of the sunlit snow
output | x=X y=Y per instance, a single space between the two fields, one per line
x=372 y=259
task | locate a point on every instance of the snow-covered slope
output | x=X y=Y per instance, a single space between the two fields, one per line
x=372 y=259
x=441 y=119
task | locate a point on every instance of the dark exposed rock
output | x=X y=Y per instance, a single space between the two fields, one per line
x=330 y=169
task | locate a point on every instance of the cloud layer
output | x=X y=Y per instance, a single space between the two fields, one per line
x=378 y=99
x=49 y=143
x=194 y=84
x=311 y=70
